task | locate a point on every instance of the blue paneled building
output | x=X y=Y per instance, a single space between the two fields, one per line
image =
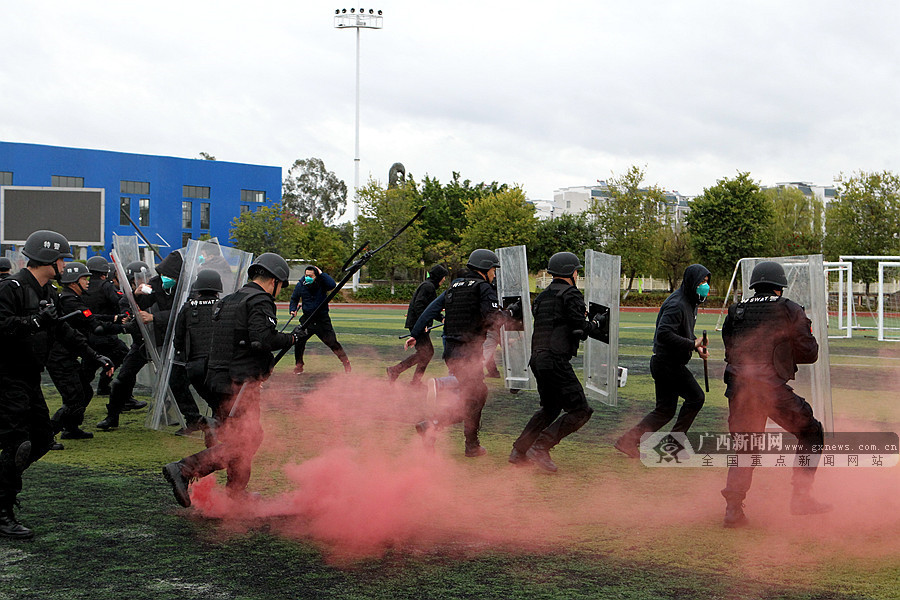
x=171 y=199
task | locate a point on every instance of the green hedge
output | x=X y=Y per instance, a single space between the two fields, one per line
x=381 y=294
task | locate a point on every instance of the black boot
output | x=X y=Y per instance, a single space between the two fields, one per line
x=22 y=457
x=734 y=511
x=174 y=474
x=11 y=528
x=802 y=503
x=133 y=404
x=76 y=433
x=539 y=454
x=111 y=421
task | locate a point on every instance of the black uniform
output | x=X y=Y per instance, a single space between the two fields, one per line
x=471 y=308
x=70 y=376
x=559 y=312
x=192 y=341
x=25 y=343
x=105 y=301
x=423 y=296
x=673 y=346
x=766 y=337
x=244 y=334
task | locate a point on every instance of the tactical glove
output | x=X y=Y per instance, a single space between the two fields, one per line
x=46 y=316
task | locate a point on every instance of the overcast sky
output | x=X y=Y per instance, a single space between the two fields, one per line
x=541 y=94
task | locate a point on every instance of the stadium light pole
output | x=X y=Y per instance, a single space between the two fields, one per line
x=353 y=19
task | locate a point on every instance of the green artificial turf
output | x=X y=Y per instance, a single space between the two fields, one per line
x=108 y=527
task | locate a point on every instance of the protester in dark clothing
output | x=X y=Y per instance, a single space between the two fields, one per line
x=471 y=307
x=29 y=326
x=70 y=376
x=309 y=294
x=107 y=303
x=766 y=336
x=560 y=323
x=673 y=345
x=244 y=334
x=154 y=299
x=423 y=296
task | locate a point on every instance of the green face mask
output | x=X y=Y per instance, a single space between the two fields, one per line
x=703 y=290
x=167 y=282
x=307 y=279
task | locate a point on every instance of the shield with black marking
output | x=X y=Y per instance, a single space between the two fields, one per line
x=515 y=337
x=601 y=356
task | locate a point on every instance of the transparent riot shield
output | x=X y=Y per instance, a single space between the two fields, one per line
x=231 y=265
x=16 y=259
x=126 y=247
x=806 y=286
x=515 y=339
x=602 y=282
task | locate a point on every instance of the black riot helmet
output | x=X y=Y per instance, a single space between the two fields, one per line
x=5 y=264
x=208 y=280
x=563 y=264
x=271 y=264
x=135 y=267
x=482 y=260
x=46 y=247
x=74 y=271
x=98 y=264
x=768 y=274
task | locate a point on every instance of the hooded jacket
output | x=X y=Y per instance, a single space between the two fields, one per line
x=674 y=337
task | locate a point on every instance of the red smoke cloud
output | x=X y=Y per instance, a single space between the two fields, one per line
x=350 y=474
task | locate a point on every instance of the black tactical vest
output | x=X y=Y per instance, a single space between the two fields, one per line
x=551 y=332
x=199 y=324
x=761 y=336
x=230 y=348
x=462 y=309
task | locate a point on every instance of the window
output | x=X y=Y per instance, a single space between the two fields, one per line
x=144 y=205
x=204 y=215
x=186 y=221
x=124 y=209
x=253 y=196
x=195 y=191
x=134 y=187
x=185 y=237
x=5 y=177
x=64 y=181
x=244 y=208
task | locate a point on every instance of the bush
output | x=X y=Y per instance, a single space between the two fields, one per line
x=381 y=294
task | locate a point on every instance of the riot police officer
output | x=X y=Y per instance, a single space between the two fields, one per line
x=244 y=334
x=5 y=267
x=28 y=328
x=423 y=296
x=71 y=377
x=471 y=308
x=107 y=303
x=766 y=336
x=192 y=340
x=560 y=323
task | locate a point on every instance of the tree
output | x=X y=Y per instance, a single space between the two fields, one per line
x=381 y=213
x=798 y=222
x=322 y=246
x=566 y=233
x=445 y=217
x=630 y=220
x=499 y=220
x=311 y=192
x=675 y=253
x=729 y=221
x=268 y=229
x=865 y=220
